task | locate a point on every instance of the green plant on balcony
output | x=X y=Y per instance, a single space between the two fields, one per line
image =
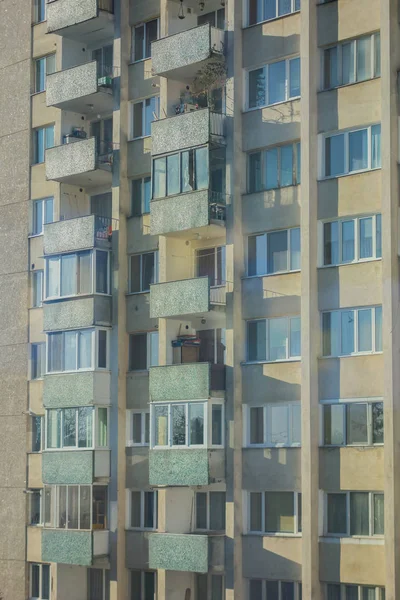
x=210 y=79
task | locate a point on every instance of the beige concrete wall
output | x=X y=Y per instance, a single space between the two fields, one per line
x=137 y=468
x=280 y=381
x=272 y=40
x=351 y=377
x=272 y=469
x=350 y=285
x=271 y=125
x=343 y=20
x=36 y=334
x=269 y=557
x=363 y=563
x=141 y=80
x=350 y=195
x=35 y=470
x=35 y=388
x=351 y=469
x=139 y=157
x=275 y=209
x=137 y=550
x=34 y=544
x=272 y=296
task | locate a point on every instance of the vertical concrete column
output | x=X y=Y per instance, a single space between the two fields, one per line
x=310 y=330
x=390 y=63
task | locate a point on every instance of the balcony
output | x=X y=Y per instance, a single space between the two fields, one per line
x=187 y=130
x=191 y=466
x=78 y=312
x=80 y=233
x=180 y=56
x=86 y=21
x=75 y=466
x=186 y=552
x=82 y=89
x=81 y=162
x=195 y=211
x=74 y=547
x=185 y=297
x=189 y=381
x=61 y=390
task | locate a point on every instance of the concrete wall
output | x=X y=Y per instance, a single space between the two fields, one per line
x=67 y=547
x=68 y=467
x=77 y=313
x=76 y=389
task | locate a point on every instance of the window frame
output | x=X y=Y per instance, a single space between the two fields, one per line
x=55 y=508
x=288 y=358
x=277 y=15
x=296 y=515
x=297 y=587
x=35 y=202
x=143 y=211
x=369 y=402
x=266 y=408
x=378 y=590
x=43 y=60
x=40 y=565
x=142 y=582
x=94 y=432
x=129 y=428
x=346 y=133
x=142 y=509
x=287 y=60
x=40 y=347
x=220 y=273
x=31 y=493
x=208 y=511
x=132 y=137
x=39 y=10
x=37 y=288
x=266 y=234
x=156 y=269
x=355 y=311
x=133 y=39
x=209 y=577
x=371 y=495
x=35 y=153
x=149 y=336
x=94 y=347
x=296 y=163
x=42 y=432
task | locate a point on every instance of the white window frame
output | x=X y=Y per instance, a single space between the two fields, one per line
x=95 y=350
x=296 y=150
x=357 y=245
x=40 y=565
x=266 y=408
x=345 y=402
x=42 y=349
x=372 y=36
x=346 y=133
x=378 y=590
x=355 y=316
x=246 y=7
x=38 y=60
x=208 y=509
x=93 y=274
x=142 y=506
x=288 y=358
x=207 y=443
x=44 y=222
x=31 y=493
x=133 y=39
x=348 y=515
x=37 y=287
x=266 y=234
x=55 y=508
x=297 y=585
x=264 y=533
x=129 y=427
x=142 y=196
x=265 y=68
x=132 y=120
x=38 y=4
x=95 y=429
x=42 y=432
x=35 y=157
x=141 y=255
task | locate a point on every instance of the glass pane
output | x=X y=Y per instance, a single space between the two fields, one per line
x=298 y=162
x=201 y=155
x=196 y=416
x=287 y=590
x=368 y=593
x=337 y=519
x=62 y=506
x=73 y=495
x=378 y=236
x=137 y=428
x=45 y=582
x=159 y=177
x=149 y=585
x=147 y=428
x=295 y=255
x=139 y=42
x=295 y=337
x=37 y=221
x=351 y=592
x=178 y=416
x=148 y=270
x=331 y=243
x=95 y=584
x=377 y=57
x=70 y=363
x=48 y=506
x=277 y=251
x=217 y=511
x=173 y=186
x=102 y=418
x=334 y=425
x=330 y=68
x=256 y=425
x=359 y=513
x=146 y=194
x=279 y=425
x=161 y=425
x=378 y=329
x=86 y=500
x=284 y=7
x=256 y=88
x=257 y=257
x=294 y=74
x=153 y=341
x=135 y=509
x=187 y=171
x=36 y=434
x=347 y=241
x=151 y=36
x=366 y=238
x=54 y=342
x=201 y=510
x=279 y=512
x=102 y=349
x=296 y=424
x=138 y=352
x=136 y=584
x=356 y=424
x=358 y=150
x=85 y=349
x=149 y=509
x=347 y=331
x=255 y=589
x=54 y=428
x=365 y=330
x=217 y=585
x=379 y=517
x=348 y=75
x=277 y=79
x=377 y=423
x=333 y=590
x=84 y=266
x=256 y=340
x=255 y=511
x=255 y=176
x=364 y=58
x=35 y=516
x=334 y=155
x=48 y=210
x=150 y=113
x=272 y=589
x=278 y=339
x=216 y=424
x=69 y=427
x=40 y=75
x=271 y=169
x=85 y=427
x=49 y=136
x=135 y=268
x=102 y=272
x=375 y=146
x=68 y=275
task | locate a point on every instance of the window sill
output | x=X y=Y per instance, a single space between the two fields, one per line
x=253 y=108
x=265 y=190
x=272 y=20
x=140 y=372
x=203 y=447
x=267 y=447
x=273 y=535
x=351 y=355
x=140 y=60
x=77 y=372
x=137 y=293
x=347 y=85
x=35 y=235
x=272 y=362
x=355 y=539
x=271 y=274
x=133 y=445
x=141 y=529
x=142 y=137
x=354 y=262
x=38 y=93
x=138 y=216
x=363 y=446
x=330 y=177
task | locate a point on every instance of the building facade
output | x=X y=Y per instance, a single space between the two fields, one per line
x=199 y=305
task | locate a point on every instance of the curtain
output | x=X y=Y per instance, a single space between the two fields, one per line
x=356 y=423
x=278 y=339
x=278 y=426
x=379 y=513
x=364 y=58
x=54 y=428
x=161 y=425
x=201 y=165
x=279 y=512
x=295 y=255
x=159 y=174
x=173 y=183
x=333 y=425
x=73 y=516
x=348 y=75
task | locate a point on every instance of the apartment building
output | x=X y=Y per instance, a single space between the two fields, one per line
x=199 y=307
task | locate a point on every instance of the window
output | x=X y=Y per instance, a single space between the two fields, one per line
x=352 y=61
x=352 y=331
x=102 y=131
x=143 y=113
x=143 y=585
x=186 y=424
x=180 y=173
x=274 y=252
x=274 y=425
x=270 y=340
x=39 y=11
x=354 y=513
x=274 y=512
x=210 y=511
x=104 y=58
x=209 y=587
x=143 y=351
x=37 y=288
x=77 y=274
x=38 y=361
x=212 y=345
x=268 y=589
x=341 y=591
x=43 y=138
x=75 y=507
x=76 y=428
x=143 y=271
x=273 y=168
x=141 y=195
x=44 y=66
x=98 y=581
x=351 y=240
x=37 y=429
x=353 y=423
x=352 y=151
x=39 y=581
x=142 y=509
x=142 y=37
x=80 y=350
x=273 y=83
x=35 y=507
x=216 y=18
x=138 y=428
x=211 y=263
x=265 y=10
x=42 y=214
